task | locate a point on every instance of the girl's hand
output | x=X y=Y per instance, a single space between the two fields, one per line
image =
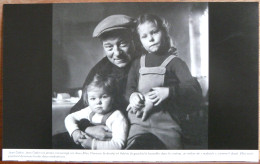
x=158 y=94
x=148 y=108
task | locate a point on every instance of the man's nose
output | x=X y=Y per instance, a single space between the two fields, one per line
x=117 y=51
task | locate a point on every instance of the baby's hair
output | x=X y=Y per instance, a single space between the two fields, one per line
x=161 y=24
x=105 y=82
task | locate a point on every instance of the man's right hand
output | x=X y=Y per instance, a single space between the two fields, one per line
x=77 y=134
x=136 y=102
x=100 y=132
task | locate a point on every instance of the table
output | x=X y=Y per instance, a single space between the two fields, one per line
x=59 y=111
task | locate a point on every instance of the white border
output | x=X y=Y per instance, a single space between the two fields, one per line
x=130 y=155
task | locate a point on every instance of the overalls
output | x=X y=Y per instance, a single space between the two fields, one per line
x=104 y=118
x=159 y=123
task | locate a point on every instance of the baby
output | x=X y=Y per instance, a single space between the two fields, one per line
x=100 y=96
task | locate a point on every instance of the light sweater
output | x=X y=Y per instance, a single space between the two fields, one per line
x=116 y=123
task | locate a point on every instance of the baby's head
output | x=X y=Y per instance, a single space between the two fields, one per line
x=100 y=94
x=153 y=33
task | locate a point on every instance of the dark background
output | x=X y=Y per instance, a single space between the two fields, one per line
x=233 y=76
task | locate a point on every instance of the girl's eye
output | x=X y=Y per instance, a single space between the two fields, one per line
x=92 y=98
x=104 y=96
x=155 y=32
x=143 y=36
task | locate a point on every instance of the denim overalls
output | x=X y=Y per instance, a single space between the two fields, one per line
x=159 y=123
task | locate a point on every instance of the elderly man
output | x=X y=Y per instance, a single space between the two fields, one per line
x=116 y=36
x=115 y=33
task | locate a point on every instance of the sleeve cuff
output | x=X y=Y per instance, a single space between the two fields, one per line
x=93 y=144
x=72 y=132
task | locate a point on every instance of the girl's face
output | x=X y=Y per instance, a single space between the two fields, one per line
x=150 y=36
x=99 y=101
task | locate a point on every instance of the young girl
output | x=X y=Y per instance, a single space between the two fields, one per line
x=158 y=84
x=100 y=96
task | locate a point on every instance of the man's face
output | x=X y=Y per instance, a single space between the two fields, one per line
x=118 y=49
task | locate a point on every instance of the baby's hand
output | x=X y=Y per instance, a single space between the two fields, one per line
x=136 y=102
x=78 y=134
x=158 y=94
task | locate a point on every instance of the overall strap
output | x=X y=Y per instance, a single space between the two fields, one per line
x=91 y=116
x=167 y=60
x=105 y=117
x=142 y=61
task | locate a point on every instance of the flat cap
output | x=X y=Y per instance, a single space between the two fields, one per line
x=113 y=22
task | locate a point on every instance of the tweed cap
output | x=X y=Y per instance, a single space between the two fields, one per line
x=113 y=22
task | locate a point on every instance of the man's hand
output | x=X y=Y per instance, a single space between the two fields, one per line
x=86 y=143
x=145 y=111
x=158 y=94
x=100 y=132
x=78 y=134
x=136 y=102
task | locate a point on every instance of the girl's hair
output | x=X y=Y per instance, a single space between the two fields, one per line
x=162 y=25
x=105 y=82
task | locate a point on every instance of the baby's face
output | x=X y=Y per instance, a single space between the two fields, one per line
x=150 y=36
x=99 y=101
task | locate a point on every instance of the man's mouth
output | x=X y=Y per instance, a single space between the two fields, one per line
x=120 y=60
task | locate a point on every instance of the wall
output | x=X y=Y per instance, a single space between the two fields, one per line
x=75 y=52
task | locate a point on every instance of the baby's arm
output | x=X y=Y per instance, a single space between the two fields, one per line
x=71 y=123
x=119 y=127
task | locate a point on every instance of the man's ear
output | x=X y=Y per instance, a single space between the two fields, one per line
x=133 y=45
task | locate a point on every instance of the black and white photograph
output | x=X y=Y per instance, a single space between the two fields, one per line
x=130 y=76
x=131 y=82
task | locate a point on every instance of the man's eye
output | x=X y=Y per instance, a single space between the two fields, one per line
x=104 y=96
x=123 y=44
x=109 y=48
x=92 y=98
